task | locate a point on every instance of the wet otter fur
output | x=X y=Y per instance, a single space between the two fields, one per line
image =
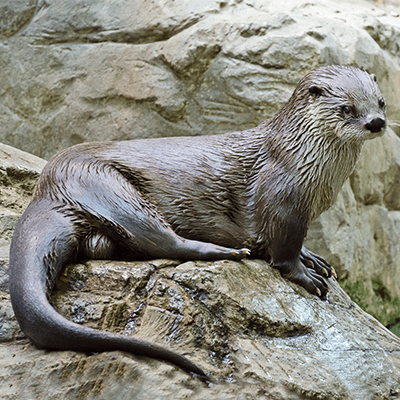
x=211 y=197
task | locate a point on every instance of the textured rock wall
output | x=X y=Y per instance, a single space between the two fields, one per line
x=75 y=71
x=79 y=70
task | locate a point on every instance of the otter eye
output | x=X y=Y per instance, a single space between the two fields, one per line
x=381 y=103
x=346 y=109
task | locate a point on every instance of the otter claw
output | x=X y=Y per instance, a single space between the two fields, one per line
x=317 y=263
x=239 y=254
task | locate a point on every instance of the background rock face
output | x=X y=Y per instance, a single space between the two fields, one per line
x=103 y=70
x=76 y=71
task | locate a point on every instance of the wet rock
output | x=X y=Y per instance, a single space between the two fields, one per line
x=258 y=335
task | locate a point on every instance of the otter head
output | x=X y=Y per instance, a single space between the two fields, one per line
x=345 y=102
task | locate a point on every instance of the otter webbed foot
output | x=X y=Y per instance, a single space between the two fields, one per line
x=297 y=272
x=317 y=263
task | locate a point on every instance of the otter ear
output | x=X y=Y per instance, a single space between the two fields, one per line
x=315 y=90
x=373 y=76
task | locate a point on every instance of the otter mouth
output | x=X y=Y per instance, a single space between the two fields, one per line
x=372 y=135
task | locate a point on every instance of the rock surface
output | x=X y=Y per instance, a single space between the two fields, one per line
x=76 y=70
x=18 y=174
x=105 y=70
x=258 y=335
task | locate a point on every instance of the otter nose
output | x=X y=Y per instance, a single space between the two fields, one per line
x=375 y=125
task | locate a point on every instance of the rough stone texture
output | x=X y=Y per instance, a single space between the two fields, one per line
x=18 y=174
x=79 y=70
x=259 y=336
x=74 y=71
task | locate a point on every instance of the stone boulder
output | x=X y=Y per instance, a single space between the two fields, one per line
x=18 y=174
x=258 y=335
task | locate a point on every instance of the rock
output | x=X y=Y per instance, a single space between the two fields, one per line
x=258 y=335
x=100 y=70
x=14 y=14
x=18 y=174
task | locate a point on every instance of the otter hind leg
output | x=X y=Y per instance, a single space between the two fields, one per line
x=160 y=241
x=193 y=249
x=319 y=264
x=143 y=230
x=123 y=215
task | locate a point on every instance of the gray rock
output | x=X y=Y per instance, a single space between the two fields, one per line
x=15 y=14
x=100 y=70
x=258 y=335
x=18 y=174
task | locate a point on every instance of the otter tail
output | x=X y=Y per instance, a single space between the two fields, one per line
x=43 y=243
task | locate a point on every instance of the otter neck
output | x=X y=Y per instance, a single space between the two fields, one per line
x=322 y=167
x=319 y=161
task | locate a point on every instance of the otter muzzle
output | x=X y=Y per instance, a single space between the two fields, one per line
x=375 y=125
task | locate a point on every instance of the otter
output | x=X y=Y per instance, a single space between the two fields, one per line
x=211 y=197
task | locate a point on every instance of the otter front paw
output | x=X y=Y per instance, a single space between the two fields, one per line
x=317 y=263
x=296 y=272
